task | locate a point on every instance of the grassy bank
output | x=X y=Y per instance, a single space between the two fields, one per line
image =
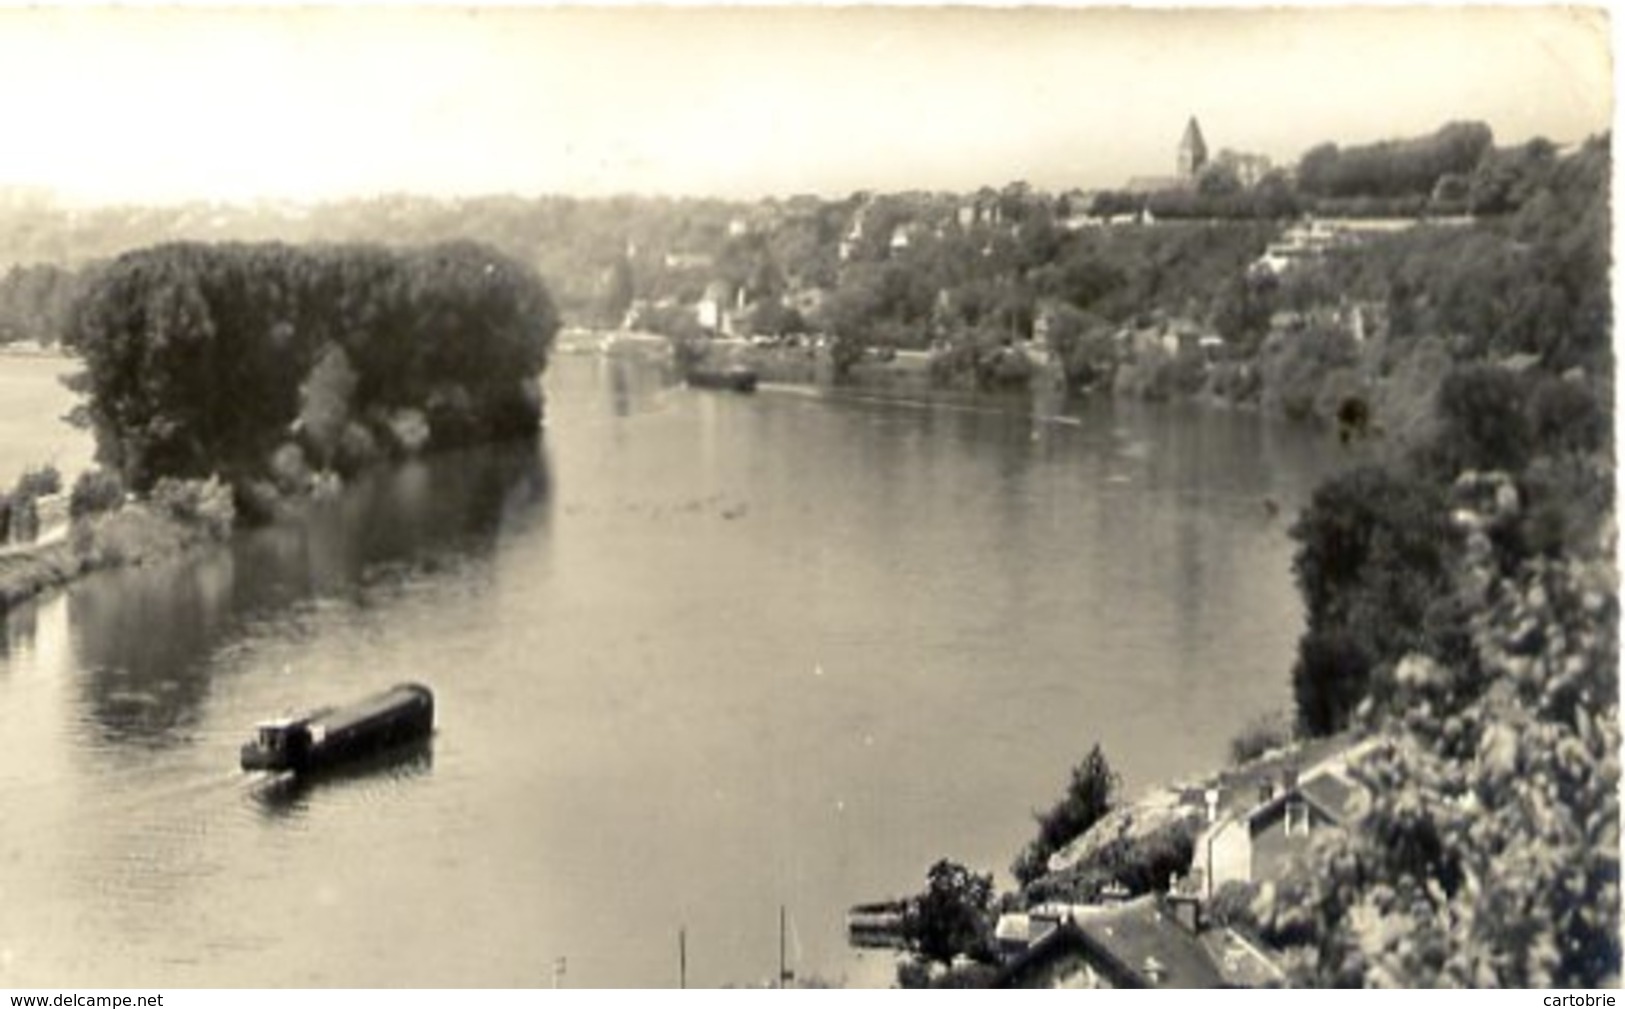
x=137 y=533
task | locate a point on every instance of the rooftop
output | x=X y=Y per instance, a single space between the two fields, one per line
x=1136 y=944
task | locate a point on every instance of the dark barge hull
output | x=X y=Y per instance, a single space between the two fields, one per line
x=735 y=379
x=331 y=736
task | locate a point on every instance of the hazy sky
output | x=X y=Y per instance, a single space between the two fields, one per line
x=170 y=104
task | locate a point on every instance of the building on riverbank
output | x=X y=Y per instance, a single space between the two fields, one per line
x=1148 y=942
x=1257 y=843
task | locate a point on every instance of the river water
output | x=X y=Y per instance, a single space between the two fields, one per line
x=698 y=656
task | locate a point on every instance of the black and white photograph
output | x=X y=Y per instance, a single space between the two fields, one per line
x=657 y=497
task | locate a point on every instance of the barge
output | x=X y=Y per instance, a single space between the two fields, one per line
x=736 y=378
x=329 y=736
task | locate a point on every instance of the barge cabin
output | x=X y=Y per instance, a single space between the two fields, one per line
x=329 y=736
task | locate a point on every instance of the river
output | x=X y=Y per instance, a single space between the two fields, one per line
x=698 y=656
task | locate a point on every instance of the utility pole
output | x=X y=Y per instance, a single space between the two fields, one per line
x=783 y=974
x=682 y=958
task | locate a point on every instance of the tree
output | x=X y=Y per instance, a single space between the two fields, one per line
x=1484 y=420
x=1243 y=310
x=325 y=399
x=1273 y=196
x=1090 y=795
x=1374 y=562
x=773 y=318
x=1218 y=179
x=618 y=291
x=1505 y=179
x=951 y=918
x=1083 y=343
x=1394 y=168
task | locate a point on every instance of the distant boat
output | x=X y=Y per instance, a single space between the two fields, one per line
x=328 y=736
x=738 y=378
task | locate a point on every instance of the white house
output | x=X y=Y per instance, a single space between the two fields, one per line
x=1256 y=843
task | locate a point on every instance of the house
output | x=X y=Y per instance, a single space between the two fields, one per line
x=1257 y=843
x=983 y=209
x=713 y=310
x=1141 y=216
x=1140 y=943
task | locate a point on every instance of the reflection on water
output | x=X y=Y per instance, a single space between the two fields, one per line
x=696 y=656
x=146 y=637
x=289 y=795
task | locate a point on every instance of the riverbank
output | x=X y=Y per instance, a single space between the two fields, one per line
x=1441 y=771
x=1292 y=376
x=135 y=534
x=29 y=348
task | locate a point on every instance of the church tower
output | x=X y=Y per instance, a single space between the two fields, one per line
x=1192 y=151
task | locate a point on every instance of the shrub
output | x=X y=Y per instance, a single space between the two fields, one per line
x=37 y=482
x=96 y=491
x=410 y=430
x=203 y=503
x=357 y=448
x=1483 y=420
x=24 y=520
x=325 y=401
x=1233 y=906
x=289 y=470
x=131 y=535
x=1307 y=370
x=1264 y=733
x=1565 y=416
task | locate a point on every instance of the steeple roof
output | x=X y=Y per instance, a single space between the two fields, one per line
x=1192 y=142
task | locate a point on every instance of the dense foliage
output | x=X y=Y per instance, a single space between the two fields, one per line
x=1394 y=167
x=1373 y=566
x=264 y=363
x=1463 y=605
x=34 y=300
x=1090 y=795
x=19 y=516
x=1489 y=855
x=951 y=917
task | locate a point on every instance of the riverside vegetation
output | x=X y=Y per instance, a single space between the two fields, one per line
x=1462 y=612
x=969 y=276
x=222 y=382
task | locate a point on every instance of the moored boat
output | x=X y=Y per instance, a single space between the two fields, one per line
x=328 y=736
x=737 y=378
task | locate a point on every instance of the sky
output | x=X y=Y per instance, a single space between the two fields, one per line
x=163 y=104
